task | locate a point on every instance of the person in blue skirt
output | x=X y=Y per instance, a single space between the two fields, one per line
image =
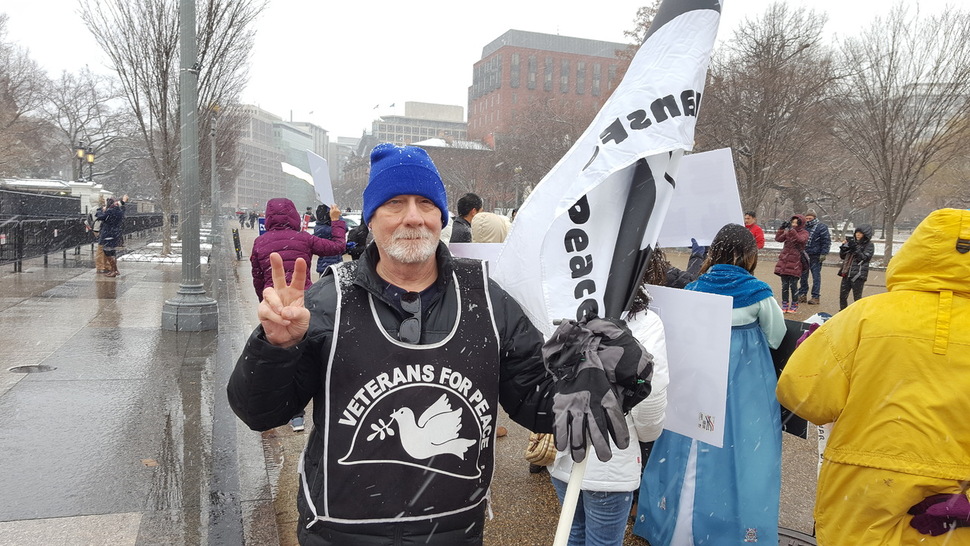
x=693 y=493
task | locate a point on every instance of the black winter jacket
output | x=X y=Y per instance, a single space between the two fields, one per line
x=270 y=384
x=856 y=255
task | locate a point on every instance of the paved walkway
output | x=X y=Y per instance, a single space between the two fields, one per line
x=128 y=439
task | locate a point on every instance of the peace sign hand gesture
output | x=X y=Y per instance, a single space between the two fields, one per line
x=284 y=318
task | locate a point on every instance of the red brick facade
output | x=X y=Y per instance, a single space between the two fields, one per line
x=522 y=68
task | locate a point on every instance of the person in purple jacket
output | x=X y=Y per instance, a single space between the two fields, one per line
x=283 y=235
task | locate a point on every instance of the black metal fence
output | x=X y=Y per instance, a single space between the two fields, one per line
x=26 y=205
x=23 y=239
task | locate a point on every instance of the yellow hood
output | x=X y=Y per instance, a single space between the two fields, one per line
x=929 y=261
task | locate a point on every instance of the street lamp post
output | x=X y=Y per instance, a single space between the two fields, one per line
x=190 y=310
x=215 y=230
x=89 y=157
x=79 y=153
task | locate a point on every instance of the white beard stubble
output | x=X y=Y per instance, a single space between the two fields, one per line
x=411 y=245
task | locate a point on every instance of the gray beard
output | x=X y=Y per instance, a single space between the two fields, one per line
x=411 y=251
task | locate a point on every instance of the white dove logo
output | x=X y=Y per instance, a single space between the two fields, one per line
x=434 y=433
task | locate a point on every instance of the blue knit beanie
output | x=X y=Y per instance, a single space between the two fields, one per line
x=402 y=170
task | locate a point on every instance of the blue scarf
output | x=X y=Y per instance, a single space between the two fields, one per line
x=734 y=281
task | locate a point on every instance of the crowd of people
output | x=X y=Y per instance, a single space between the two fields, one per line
x=408 y=352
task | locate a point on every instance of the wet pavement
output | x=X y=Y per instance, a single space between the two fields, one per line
x=129 y=439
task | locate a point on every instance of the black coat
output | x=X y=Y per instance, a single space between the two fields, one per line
x=112 y=229
x=856 y=255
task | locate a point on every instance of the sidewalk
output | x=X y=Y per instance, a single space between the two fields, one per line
x=128 y=438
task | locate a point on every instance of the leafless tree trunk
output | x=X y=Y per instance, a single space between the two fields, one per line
x=765 y=99
x=79 y=105
x=908 y=85
x=140 y=38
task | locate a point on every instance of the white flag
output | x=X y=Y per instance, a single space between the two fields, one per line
x=568 y=238
x=320 y=171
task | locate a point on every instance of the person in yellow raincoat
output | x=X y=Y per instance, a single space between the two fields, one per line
x=892 y=371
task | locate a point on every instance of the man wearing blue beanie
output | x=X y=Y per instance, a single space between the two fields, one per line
x=407 y=354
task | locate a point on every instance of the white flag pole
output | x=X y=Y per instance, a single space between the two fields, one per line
x=569 y=501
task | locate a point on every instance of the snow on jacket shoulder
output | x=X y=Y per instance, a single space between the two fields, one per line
x=283 y=236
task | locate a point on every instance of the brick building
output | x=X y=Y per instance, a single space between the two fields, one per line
x=519 y=68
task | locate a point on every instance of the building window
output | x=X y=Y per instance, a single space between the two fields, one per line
x=611 y=77
x=580 y=77
x=514 y=72
x=596 y=79
x=564 y=77
x=547 y=82
x=533 y=69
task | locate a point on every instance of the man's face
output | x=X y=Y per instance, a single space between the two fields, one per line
x=809 y=217
x=748 y=219
x=406 y=229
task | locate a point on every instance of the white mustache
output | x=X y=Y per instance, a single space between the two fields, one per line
x=404 y=234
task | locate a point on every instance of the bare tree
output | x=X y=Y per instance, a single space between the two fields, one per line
x=765 y=98
x=908 y=82
x=22 y=88
x=538 y=138
x=949 y=187
x=140 y=38
x=84 y=107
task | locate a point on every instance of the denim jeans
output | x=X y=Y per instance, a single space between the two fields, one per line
x=815 y=267
x=600 y=518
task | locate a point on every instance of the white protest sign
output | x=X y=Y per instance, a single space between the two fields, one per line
x=481 y=251
x=706 y=199
x=697 y=394
x=320 y=171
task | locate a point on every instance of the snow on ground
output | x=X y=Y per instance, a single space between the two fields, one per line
x=152 y=252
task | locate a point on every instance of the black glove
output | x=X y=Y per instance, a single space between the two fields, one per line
x=785 y=225
x=628 y=365
x=850 y=242
x=601 y=372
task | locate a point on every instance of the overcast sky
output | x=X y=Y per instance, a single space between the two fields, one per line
x=332 y=62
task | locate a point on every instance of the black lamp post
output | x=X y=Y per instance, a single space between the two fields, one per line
x=79 y=153
x=89 y=157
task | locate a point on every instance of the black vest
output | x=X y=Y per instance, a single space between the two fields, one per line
x=409 y=429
